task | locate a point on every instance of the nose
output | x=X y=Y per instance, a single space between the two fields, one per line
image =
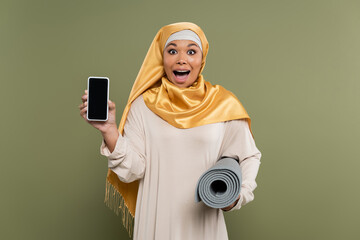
x=181 y=59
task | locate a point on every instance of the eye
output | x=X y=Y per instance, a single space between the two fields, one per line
x=172 y=51
x=191 y=52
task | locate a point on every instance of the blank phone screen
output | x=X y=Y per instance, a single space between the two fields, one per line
x=97 y=98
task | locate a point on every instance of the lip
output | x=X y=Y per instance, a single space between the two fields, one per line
x=181 y=79
x=181 y=69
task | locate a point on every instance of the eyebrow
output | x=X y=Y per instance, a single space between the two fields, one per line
x=191 y=44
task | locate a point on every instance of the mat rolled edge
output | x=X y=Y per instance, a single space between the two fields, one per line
x=227 y=168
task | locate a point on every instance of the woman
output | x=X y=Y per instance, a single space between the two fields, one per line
x=174 y=127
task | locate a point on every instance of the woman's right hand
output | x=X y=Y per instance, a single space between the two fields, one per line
x=102 y=126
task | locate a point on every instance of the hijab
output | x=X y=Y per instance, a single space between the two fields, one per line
x=199 y=104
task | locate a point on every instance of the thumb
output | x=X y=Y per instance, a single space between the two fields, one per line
x=111 y=104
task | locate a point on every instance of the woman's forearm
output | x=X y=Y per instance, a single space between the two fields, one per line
x=110 y=138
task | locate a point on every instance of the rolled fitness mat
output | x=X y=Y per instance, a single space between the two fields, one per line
x=220 y=185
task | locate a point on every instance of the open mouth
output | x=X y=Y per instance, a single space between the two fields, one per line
x=181 y=73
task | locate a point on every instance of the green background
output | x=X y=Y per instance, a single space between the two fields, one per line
x=295 y=65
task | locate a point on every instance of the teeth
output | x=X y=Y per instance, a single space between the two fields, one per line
x=182 y=71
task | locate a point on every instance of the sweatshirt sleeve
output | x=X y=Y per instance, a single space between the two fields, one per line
x=128 y=157
x=239 y=144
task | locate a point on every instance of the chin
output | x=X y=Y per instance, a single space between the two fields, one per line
x=185 y=84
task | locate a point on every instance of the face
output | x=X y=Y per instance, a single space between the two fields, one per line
x=182 y=62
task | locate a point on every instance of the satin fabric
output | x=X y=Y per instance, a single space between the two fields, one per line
x=199 y=104
x=194 y=106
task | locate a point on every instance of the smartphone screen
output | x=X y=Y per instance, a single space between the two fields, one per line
x=98 y=91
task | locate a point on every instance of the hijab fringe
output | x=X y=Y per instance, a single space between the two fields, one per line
x=115 y=201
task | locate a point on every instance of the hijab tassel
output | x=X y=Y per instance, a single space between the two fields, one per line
x=115 y=201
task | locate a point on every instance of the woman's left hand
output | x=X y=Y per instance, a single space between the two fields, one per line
x=231 y=206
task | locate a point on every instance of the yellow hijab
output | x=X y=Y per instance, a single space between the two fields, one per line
x=197 y=105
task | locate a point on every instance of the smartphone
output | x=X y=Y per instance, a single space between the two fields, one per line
x=98 y=98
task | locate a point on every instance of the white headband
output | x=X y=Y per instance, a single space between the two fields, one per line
x=185 y=35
